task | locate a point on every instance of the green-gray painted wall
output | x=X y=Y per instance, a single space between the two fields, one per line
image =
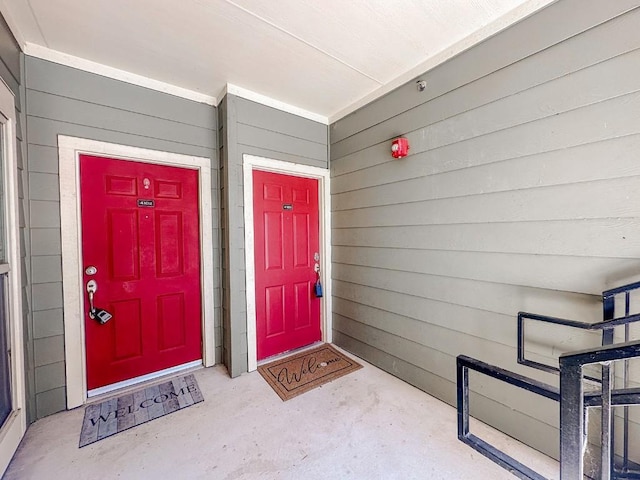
x=251 y=128
x=65 y=101
x=519 y=193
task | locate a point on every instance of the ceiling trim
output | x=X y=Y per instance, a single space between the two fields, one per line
x=513 y=16
x=61 y=58
x=272 y=102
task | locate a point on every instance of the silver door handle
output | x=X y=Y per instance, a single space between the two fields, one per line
x=99 y=314
x=92 y=288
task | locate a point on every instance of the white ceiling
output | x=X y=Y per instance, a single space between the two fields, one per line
x=324 y=56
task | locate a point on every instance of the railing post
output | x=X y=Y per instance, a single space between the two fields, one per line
x=571 y=420
x=463 y=400
x=606 y=431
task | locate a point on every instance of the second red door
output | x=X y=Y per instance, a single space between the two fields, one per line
x=286 y=232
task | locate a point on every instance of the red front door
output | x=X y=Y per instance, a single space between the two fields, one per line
x=286 y=232
x=140 y=231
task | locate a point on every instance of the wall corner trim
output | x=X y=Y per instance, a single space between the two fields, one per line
x=65 y=59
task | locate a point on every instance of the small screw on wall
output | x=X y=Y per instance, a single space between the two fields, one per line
x=422 y=85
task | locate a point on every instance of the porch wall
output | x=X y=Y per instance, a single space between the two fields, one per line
x=67 y=101
x=247 y=127
x=519 y=193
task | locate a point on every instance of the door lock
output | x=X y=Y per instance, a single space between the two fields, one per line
x=91 y=270
x=99 y=314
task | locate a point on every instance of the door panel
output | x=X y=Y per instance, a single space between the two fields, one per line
x=286 y=232
x=169 y=238
x=172 y=324
x=123 y=244
x=127 y=332
x=140 y=229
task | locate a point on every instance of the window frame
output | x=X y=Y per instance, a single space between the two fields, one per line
x=13 y=429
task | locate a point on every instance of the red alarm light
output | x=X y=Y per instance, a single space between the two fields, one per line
x=400 y=147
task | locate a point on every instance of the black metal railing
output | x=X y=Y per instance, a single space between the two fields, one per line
x=609 y=303
x=573 y=409
x=605 y=327
x=572 y=406
x=464 y=364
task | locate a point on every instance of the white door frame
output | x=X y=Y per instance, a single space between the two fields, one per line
x=69 y=150
x=13 y=429
x=251 y=163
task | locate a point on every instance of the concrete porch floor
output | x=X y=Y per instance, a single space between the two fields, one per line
x=366 y=425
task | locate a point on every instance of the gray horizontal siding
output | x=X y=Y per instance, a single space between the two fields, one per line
x=566 y=273
x=45 y=131
x=603 y=237
x=79 y=112
x=268 y=118
x=63 y=100
x=254 y=129
x=94 y=89
x=570 y=164
x=280 y=135
x=517 y=195
x=311 y=153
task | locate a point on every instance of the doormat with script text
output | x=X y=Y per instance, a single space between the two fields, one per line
x=299 y=373
x=101 y=420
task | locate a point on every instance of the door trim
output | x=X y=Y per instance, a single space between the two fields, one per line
x=251 y=163
x=15 y=426
x=69 y=150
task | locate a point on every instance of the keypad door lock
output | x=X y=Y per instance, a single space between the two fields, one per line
x=99 y=314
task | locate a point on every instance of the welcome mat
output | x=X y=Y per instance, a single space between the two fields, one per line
x=101 y=420
x=297 y=374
